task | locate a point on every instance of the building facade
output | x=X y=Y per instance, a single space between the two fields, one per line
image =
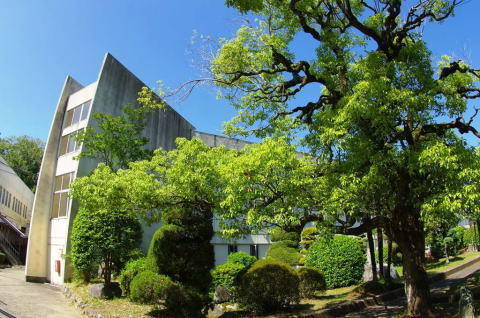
x=54 y=212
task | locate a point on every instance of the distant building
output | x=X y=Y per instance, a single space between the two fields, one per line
x=16 y=202
x=54 y=212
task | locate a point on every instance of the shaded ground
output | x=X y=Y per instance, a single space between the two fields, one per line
x=30 y=300
x=397 y=306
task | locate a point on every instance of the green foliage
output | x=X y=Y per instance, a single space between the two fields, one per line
x=183 y=255
x=149 y=287
x=117 y=140
x=268 y=286
x=341 y=259
x=308 y=236
x=24 y=155
x=278 y=234
x=228 y=275
x=284 y=252
x=103 y=238
x=132 y=269
x=241 y=258
x=2 y=258
x=312 y=281
x=471 y=236
x=184 y=302
x=396 y=254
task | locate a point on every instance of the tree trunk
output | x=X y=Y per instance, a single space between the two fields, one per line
x=371 y=249
x=408 y=233
x=445 y=248
x=380 y=252
x=389 y=260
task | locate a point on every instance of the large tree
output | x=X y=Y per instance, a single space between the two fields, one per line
x=378 y=108
x=24 y=155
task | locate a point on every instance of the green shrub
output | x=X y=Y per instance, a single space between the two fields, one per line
x=241 y=258
x=283 y=252
x=183 y=302
x=312 y=281
x=180 y=256
x=309 y=235
x=269 y=285
x=228 y=276
x=340 y=259
x=132 y=269
x=277 y=234
x=396 y=254
x=149 y=288
x=469 y=236
x=2 y=258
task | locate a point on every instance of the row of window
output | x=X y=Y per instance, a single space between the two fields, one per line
x=68 y=144
x=13 y=203
x=61 y=201
x=77 y=114
x=233 y=248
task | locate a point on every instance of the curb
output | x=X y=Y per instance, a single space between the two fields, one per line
x=78 y=303
x=360 y=304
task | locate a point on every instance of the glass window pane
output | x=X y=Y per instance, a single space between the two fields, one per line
x=71 y=144
x=55 y=205
x=76 y=115
x=63 y=204
x=68 y=119
x=85 y=109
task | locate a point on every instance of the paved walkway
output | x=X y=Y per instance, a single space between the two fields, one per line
x=29 y=300
x=398 y=305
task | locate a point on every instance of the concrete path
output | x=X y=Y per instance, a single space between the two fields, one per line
x=29 y=300
x=398 y=305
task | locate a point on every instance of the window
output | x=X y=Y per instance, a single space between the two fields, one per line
x=232 y=248
x=61 y=201
x=77 y=114
x=68 y=144
x=254 y=250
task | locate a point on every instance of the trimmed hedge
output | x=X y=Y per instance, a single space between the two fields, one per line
x=2 y=258
x=396 y=254
x=183 y=302
x=149 y=288
x=341 y=259
x=309 y=235
x=182 y=258
x=132 y=269
x=469 y=236
x=284 y=252
x=312 y=281
x=269 y=285
x=227 y=275
x=241 y=258
x=277 y=234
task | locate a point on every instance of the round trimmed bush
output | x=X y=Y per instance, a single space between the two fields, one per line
x=227 y=275
x=277 y=234
x=149 y=288
x=132 y=269
x=183 y=302
x=2 y=258
x=241 y=258
x=340 y=259
x=312 y=281
x=269 y=285
x=180 y=256
x=283 y=252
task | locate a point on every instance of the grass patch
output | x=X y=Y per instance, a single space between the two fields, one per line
x=441 y=265
x=117 y=307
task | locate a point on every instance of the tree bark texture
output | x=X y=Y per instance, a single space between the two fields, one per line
x=408 y=233
x=380 y=252
x=371 y=249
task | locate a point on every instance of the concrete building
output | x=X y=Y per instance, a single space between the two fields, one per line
x=53 y=212
x=16 y=202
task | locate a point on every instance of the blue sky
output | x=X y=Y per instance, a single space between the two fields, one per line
x=44 y=41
